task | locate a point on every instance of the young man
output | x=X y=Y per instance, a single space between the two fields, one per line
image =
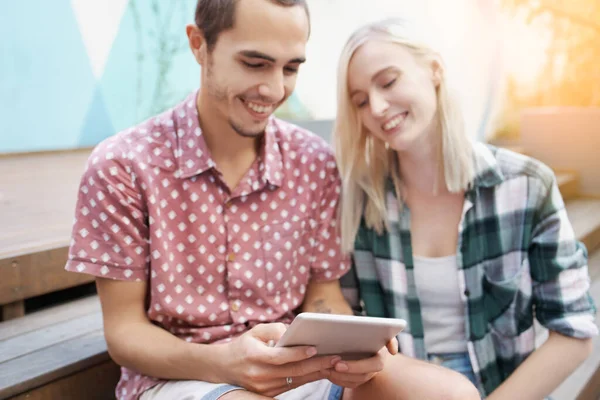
x=211 y=224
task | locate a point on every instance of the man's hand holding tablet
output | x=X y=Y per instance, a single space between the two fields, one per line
x=362 y=343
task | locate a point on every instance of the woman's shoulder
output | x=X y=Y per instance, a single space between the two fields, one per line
x=508 y=165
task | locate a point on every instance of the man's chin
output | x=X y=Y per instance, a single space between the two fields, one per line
x=249 y=131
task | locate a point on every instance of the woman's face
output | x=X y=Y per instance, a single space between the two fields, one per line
x=394 y=93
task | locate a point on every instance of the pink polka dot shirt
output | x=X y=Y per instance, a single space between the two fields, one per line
x=152 y=207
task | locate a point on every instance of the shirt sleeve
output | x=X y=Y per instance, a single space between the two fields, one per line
x=110 y=232
x=328 y=262
x=361 y=285
x=559 y=271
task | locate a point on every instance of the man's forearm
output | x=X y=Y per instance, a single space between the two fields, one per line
x=155 y=352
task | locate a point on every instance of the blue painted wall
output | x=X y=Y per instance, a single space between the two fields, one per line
x=56 y=92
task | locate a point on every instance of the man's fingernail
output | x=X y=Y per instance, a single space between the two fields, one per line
x=342 y=367
x=334 y=360
x=311 y=351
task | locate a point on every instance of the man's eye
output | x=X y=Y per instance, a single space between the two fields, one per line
x=250 y=65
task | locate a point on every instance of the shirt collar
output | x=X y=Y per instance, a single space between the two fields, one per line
x=271 y=165
x=487 y=169
x=193 y=155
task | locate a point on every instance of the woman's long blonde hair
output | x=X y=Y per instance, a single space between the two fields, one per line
x=365 y=162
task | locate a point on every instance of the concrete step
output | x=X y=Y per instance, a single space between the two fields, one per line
x=584 y=214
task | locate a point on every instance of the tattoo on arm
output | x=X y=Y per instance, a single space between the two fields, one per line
x=320 y=306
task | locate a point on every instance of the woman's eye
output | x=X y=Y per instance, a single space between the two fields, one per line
x=390 y=83
x=362 y=104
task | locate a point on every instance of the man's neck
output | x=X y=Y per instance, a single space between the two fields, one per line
x=222 y=140
x=232 y=153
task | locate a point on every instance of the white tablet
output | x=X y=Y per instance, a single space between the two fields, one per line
x=349 y=336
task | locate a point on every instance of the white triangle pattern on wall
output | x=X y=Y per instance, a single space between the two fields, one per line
x=98 y=23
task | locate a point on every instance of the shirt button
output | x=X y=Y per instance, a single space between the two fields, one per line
x=467 y=293
x=231 y=257
x=234 y=306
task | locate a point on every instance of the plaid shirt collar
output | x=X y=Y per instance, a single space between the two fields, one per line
x=487 y=169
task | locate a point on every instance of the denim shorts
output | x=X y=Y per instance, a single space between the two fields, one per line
x=458 y=362
x=198 y=390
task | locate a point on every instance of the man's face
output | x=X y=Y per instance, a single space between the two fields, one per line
x=252 y=69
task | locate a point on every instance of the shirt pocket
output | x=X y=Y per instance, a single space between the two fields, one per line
x=285 y=255
x=506 y=293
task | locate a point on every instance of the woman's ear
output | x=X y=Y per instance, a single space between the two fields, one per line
x=437 y=72
x=197 y=43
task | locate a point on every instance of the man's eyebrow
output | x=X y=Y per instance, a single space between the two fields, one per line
x=266 y=57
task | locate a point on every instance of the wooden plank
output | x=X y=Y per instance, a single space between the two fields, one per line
x=28 y=242
x=37 y=199
x=584 y=215
x=568 y=183
x=594 y=268
x=95 y=383
x=42 y=153
x=19 y=346
x=36 y=369
x=591 y=391
x=53 y=315
x=12 y=310
x=31 y=275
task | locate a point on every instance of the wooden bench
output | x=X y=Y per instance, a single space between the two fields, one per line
x=38 y=193
x=58 y=353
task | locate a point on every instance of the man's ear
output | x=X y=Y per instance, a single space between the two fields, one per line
x=197 y=43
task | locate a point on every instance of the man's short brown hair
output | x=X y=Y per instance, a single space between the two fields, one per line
x=216 y=16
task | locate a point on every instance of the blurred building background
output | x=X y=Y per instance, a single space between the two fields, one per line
x=74 y=72
x=87 y=69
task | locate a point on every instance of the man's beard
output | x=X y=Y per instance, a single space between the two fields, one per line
x=246 y=132
x=219 y=93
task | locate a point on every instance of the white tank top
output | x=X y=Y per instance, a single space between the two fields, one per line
x=442 y=310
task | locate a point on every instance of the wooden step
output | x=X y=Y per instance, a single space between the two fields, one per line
x=584 y=215
x=584 y=382
x=38 y=193
x=57 y=353
x=568 y=183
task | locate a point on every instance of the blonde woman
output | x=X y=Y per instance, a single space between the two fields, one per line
x=465 y=241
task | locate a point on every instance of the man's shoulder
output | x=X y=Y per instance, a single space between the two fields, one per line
x=155 y=136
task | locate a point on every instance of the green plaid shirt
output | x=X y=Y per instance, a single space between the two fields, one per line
x=517 y=258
